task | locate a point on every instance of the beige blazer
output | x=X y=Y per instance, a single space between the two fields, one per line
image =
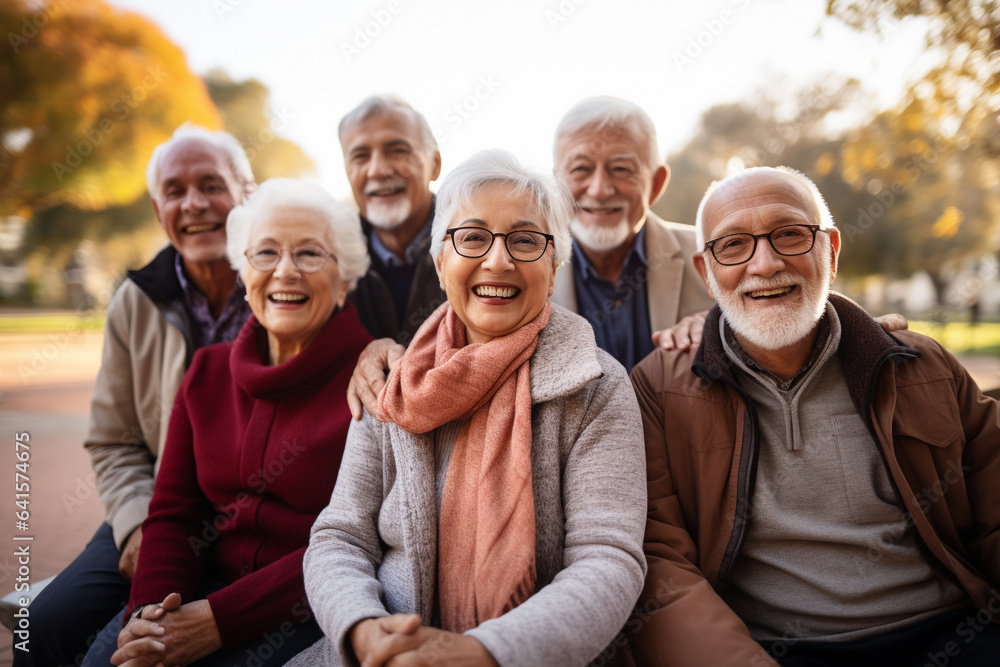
x=675 y=288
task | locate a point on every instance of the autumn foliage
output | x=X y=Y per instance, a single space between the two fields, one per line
x=88 y=91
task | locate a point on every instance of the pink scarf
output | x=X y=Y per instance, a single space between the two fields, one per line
x=486 y=534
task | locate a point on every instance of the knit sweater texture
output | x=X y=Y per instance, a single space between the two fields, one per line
x=374 y=549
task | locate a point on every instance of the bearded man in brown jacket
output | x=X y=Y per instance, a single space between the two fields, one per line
x=820 y=492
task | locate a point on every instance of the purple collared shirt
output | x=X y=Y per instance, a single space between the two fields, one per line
x=205 y=328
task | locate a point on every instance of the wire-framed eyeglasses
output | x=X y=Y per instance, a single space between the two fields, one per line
x=523 y=245
x=789 y=240
x=309 y=258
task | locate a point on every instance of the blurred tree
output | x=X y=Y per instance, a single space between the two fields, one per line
x=903 y=195
x=930 y=203
x=89 y=90
x=774 y=127
x=963 y=91
x=246 y=112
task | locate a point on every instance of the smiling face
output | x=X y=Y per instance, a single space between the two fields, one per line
x=494 y=295
x=608 y=172
x=771 y=301
x=389 y=171
x=290 y=304
x=195 y=193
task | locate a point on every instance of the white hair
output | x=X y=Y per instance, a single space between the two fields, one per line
x=825 y=217
x=550 y=198
x=239 y=164
x=346 y=239
x=377 y=104
x=609 y=112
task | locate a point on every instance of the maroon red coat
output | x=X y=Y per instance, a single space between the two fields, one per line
x=251 y=458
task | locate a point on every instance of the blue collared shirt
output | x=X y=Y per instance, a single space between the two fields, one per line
x=388 y=257
x=206 y=329
x=398 y=276
x=619 y=312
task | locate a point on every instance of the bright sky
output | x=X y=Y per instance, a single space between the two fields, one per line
x=503 y=73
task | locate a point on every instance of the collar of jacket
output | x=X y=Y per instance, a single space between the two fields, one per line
x=565 y=360
x=864 y=348
x=158 y=279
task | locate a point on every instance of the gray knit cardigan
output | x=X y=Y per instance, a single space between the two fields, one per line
x=373 y=550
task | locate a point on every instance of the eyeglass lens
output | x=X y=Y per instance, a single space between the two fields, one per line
x=789 y=240
x=308 y=258
x=523 y=245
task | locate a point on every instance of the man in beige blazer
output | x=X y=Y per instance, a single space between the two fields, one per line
x=631 y=274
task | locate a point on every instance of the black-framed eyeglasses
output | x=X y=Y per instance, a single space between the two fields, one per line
x=523 y=245
x=790 y=240
x=309 y=258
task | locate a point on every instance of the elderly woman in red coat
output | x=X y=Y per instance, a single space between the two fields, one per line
x=255 y=441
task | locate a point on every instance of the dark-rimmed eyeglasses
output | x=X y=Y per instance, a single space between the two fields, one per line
x=523 y=245
x=308 y=258
x=789 y=241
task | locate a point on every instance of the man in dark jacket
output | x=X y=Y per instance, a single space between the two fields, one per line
x=391 y=157
x=820 y=492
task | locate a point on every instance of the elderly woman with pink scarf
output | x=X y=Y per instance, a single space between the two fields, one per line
x=498 y=517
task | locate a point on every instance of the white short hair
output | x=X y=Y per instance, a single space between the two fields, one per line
x=825 y=217
x=239 y=164
x=377 y=104
x=609 y=112
x=550 y=198
x=347 y=241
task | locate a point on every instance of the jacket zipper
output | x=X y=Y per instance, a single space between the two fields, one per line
x=745 y=490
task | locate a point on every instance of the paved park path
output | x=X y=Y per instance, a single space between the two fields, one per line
x=46 y=382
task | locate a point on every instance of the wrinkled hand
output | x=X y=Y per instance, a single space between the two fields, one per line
x=375 y=362
x=179 y=635
x=439 y=647
x=141 y=635
x=893 y=322
x=400 y=641
x=683 y=335
x=130 y=554
x=373 y=638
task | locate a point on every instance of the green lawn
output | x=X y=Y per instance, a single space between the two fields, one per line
x=51 y=322
x=960 y=337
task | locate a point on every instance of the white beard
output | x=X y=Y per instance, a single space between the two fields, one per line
x=382 y=214
x=598 y=238
x=775 y=328
x=387 y=216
